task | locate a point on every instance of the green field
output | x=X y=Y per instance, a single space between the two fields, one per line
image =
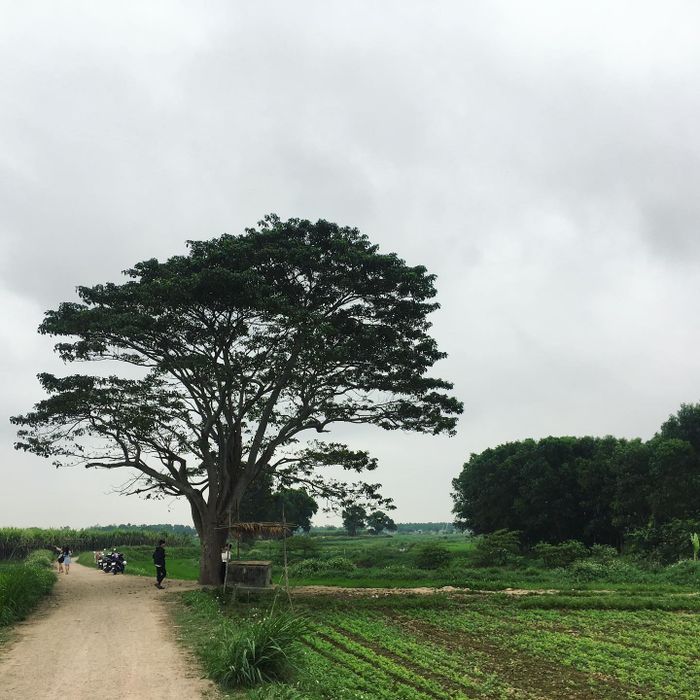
x=389 y=562
x=478 y=646
x=183 y=562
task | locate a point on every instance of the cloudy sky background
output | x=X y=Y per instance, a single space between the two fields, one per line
x=541 y=158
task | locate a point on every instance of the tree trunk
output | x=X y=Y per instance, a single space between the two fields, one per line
x=212 y=539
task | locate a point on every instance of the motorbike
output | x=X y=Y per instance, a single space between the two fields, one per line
x=113 y=563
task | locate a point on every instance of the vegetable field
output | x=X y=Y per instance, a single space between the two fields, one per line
x=492 y=651
x=430 y=648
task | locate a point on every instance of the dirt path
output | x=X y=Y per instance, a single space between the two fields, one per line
x=100 y=636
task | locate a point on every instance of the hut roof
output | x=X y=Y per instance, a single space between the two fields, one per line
x=262 y=528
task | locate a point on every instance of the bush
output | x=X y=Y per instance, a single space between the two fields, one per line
x=604 y=553
x=683 y=572
x=249 y=653
x=339 y=564
x=432 y=556
x=41 y=558
x=500 y=548
x=615 y=571
x=311 y=567
x=557 y=555
x=667 y=543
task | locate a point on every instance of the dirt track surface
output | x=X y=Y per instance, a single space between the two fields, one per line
x=97 y=636
x=342 y=592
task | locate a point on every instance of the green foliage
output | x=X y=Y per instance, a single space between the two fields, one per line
x=17 y=543
x=262 y=648
x=554 y=555
x=354 y=518
x=182 y=562
x=378 y=521
x=665 y=543
x=615 y=571
x=500 y=548
x=603 y=553
x=302 y=547
x=595 y=645
x=686 y=572
x=595 y=490
x=22 y=586
x=257 y=652
x=248 y=344
x=432 y=556
x=311 y=567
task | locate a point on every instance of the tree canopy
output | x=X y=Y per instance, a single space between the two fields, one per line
x=592 y=489
x=231 y=356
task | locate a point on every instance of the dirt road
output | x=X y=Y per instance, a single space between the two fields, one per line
x=100 y=635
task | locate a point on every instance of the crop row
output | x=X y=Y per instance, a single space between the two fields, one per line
x=383 y=681
x=641 y=665
x=462 y=671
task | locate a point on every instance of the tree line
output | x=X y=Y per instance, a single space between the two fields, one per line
x=596 y=490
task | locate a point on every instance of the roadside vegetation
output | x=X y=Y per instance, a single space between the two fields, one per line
x=17 y=543
x=22 y=585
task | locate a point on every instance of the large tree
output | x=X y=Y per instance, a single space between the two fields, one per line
x=232 y=356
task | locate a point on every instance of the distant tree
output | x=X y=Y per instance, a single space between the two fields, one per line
x=243 y=348
x=354 y=518
x=590 y=489
x=551 y=490
x=683 y=425
x=378 y=521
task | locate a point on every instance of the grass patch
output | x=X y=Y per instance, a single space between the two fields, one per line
x=23 y=585
x=239 y=650
x=181 y=563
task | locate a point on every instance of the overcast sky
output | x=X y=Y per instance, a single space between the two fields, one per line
x=541 y=158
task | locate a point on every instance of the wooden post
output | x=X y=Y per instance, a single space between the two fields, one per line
x=284 y=550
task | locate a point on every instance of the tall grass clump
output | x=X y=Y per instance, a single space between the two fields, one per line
x=22 y=586
x=251 y=652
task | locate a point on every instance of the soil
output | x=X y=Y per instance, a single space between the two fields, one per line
x=342 y=592
x=100 y=635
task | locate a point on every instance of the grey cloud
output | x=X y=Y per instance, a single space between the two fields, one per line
x=541 y=159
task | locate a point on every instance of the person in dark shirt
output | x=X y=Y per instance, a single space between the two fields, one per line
x=159 y=561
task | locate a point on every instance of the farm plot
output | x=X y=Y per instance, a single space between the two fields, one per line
x=494 y=649
x=489 y=647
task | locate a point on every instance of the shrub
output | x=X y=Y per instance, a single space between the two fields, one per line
x=604 y=553
x=311 y=567
x=665 y=543
x=562 y=554
x=249 y=653
x=683 y=572
x=306 y=567
x=339 y=564
x=499 y=548
x=432 y=556
x=616 y=571
x=41 y=558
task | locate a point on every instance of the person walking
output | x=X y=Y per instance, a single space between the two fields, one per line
x=66 y=558
x=159 y=561
x=60 y=559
